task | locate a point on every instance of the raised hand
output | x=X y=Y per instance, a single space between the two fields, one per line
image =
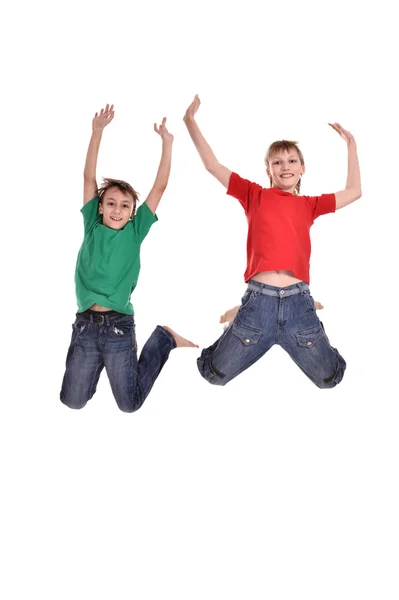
x=346 y=135
x=163 y=132
x=104 y=118
x=192 y=109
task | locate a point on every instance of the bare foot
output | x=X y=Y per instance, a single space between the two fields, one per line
x=181 y=342
x=229 y=315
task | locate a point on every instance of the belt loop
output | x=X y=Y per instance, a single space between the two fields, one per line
x=91 y=318
x=107 y=320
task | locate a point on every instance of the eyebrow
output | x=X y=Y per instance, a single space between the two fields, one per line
x=128 y=200
x=289 y=156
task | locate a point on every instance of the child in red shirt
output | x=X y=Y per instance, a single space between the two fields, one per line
x=277 y=307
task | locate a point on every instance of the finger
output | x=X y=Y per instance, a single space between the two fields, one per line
x=346 y=132
x=336 y=128
x=96 y=115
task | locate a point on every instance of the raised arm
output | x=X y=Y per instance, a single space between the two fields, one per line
x=353 y=189
x=210 y=161
x=90 y=180
x=162 y=178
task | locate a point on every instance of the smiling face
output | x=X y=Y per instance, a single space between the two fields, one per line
x=116 y=207
x=285 y=169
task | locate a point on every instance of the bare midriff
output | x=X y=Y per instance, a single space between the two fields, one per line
x=99 y=308
x=276 y=278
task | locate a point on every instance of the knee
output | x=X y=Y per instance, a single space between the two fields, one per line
x=71 y=402
x=127 y=408
x=127 y=404
x=210 y=373
x=336 y=377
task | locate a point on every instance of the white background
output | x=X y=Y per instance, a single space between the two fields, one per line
x=269 y=487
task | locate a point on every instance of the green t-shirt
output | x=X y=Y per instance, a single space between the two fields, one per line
x=108 y=264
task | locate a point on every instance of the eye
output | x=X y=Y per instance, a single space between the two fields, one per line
x=276 y=162
x=294 y=160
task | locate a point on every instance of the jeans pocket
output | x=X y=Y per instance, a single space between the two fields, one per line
x=247 y=299
x=248 y=335
x=122 y=328
x=80 y=327
x=309 y=301
x=308 y=337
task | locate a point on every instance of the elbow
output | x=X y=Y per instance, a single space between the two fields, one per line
x=160 y=188
x=354 y=193
x=211 y=166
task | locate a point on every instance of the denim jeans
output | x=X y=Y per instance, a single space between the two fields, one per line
x=267 y=316
x=108 y=340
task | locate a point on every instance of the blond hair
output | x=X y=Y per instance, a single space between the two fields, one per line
x=284 y=146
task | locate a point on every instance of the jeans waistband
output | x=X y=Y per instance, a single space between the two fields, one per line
x=281 y=292
x=101 y=318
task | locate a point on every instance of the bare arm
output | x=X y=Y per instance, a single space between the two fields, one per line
x=353 y=188
x=210 y=161
x=162 y=178
x=89 y=176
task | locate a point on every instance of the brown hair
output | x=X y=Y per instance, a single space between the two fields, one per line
x=284 y=146
x=124 y=187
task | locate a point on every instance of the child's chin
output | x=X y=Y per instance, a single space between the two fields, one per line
x=115 y=224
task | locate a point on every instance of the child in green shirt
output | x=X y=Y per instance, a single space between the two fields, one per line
x=107 y=271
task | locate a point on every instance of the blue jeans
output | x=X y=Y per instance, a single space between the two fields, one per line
x=108 y=340
x=271 y=315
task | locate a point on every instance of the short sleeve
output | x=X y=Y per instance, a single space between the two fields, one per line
x=243 y=190
x=142 y=221
x=90 y=214
x=322 y=205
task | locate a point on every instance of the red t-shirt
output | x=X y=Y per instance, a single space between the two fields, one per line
x=278 y=226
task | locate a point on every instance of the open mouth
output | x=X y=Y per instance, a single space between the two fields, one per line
x=116 y=219
x=286 y=175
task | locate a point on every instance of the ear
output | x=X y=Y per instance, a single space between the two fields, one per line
x=302 y=169
x=268 y=172
x=100 y=208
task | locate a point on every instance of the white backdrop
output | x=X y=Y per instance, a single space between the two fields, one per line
x=269 y=487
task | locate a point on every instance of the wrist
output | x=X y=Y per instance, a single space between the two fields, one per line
x=97 y=132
